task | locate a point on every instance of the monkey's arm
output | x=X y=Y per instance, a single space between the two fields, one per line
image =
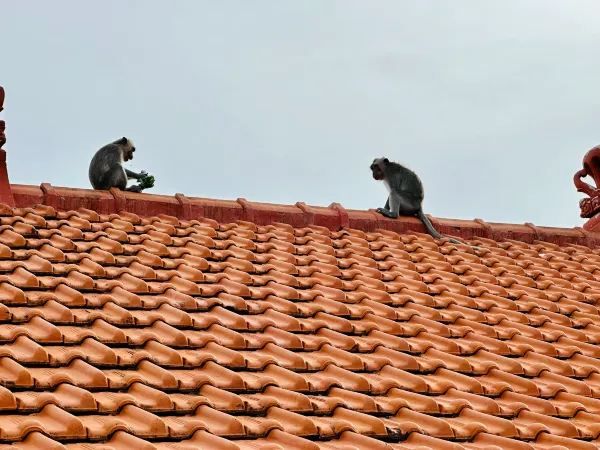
x=145 y=181
x=137 y=176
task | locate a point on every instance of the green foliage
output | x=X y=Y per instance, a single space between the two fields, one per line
x=146 y=181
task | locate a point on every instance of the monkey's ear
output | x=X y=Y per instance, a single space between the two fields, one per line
x=386 y=161
x=123 y=140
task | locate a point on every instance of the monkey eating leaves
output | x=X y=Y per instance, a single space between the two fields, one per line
x=107 y=170
x=405 y=193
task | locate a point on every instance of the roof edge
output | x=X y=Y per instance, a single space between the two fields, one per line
x=333 y=217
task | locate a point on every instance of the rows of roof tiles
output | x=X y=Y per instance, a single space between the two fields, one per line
x=119 y=331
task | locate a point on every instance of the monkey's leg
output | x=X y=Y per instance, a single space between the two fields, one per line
x=402 y=205
x=385 y=211
x=134 y=188
x=114 y=178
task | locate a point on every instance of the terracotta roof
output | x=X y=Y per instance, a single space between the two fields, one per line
x=239 y=325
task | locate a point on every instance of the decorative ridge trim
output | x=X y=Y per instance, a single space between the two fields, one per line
x=333 y=217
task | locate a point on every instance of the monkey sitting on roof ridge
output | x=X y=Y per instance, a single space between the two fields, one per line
x=406 y=193
x=107 y=171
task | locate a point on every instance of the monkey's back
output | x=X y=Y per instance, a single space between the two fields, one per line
x=106 y=168
x=409 y=182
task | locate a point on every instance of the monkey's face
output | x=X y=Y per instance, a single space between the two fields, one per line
x=128 y=148
x=128 y=153
x=377 y=168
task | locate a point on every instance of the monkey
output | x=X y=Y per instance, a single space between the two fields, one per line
x=106 y=168
x=405 y=193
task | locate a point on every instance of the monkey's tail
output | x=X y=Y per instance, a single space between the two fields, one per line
x=435 y=233
x=428 y=225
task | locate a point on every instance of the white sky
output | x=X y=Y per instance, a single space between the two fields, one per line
x=492 y=103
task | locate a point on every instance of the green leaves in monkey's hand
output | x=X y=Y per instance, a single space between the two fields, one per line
x=146 y=181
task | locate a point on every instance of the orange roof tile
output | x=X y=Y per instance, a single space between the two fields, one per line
x=154 y=322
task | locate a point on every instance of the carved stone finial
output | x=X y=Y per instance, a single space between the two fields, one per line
x=6 y=195
x=2 y=124
x=591 y=167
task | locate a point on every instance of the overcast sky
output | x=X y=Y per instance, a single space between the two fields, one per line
x=492 y=103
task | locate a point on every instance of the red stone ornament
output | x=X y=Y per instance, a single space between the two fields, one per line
x=2 y=124
x=6 y=195
x=591 y=167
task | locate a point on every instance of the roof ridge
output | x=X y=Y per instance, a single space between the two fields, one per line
x=333 y=217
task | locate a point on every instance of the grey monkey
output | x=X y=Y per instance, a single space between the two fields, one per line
x=107 y=171
x=405 y=193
